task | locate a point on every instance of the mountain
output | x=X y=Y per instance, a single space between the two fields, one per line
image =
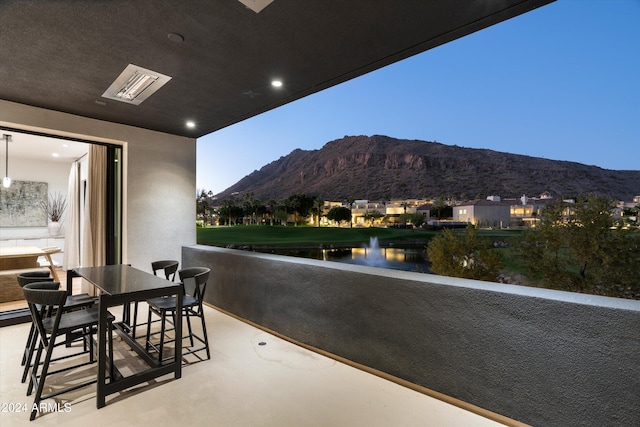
x=382 y=168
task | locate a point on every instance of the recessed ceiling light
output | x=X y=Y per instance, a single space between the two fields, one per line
x=55 y=154
x=135 y=84
x=65 y=145
x=276 y=83
x=191 y=124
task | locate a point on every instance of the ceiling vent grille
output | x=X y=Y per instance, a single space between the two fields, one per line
x=135 y=84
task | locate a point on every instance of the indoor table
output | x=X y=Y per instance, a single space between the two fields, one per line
x=28 y=255
x=120 y=285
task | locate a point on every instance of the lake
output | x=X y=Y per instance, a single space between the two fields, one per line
x=396 y=257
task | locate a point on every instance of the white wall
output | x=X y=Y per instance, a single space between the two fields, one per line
x=159 y=179
x=55 y=174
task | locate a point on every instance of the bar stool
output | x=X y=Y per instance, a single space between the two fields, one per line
x=169 y=267
x=46 y=304
x=191 y=307
x=72 y=302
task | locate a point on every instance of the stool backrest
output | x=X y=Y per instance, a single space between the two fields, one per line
x=169 y=266
x=33 y=276
x=45 y=300
x=200 y=275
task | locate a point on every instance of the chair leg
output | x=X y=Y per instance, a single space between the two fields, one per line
x=162 y=327
x=204 y=331
x=43 y=376
x=29 y=355
x=92 y=356
x=34 y=368
x=28 y=344
x=146 y=345
x=189 y=327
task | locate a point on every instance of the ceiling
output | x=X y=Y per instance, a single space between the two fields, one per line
x=221 y=56
x=39 y=147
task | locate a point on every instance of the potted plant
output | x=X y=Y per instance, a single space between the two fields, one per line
x=54 y=206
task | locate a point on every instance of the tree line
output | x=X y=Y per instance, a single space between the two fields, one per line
x=298 y=207
x=576 y=247
x=246 y=208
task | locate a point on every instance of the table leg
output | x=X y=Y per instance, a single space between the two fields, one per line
x=52 y=267
x=102 y=352
x=178 y=346
x=70 y=275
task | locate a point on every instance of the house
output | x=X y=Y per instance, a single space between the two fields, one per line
x=360 y=209
x=510 y=353
x=425 y=210
x=491 y=212
x=528 y=211
x=395 y=209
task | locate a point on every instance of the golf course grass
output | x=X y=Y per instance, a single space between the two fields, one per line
x=305 y=236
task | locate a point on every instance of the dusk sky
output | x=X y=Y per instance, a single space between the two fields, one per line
x=561 y=82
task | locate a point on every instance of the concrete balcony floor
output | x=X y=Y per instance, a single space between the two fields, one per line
x=253 y=379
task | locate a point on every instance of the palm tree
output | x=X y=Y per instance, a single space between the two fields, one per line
x=229 y=206
x=404 y=205
x=249 y=206
x=271 y=205
x=319 y=207
x=350 y=201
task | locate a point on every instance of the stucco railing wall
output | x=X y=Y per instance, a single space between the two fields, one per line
x=537 y=356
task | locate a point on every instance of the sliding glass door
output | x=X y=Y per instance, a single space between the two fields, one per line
x=35 y=164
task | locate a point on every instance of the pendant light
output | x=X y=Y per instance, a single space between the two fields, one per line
x=6 y=181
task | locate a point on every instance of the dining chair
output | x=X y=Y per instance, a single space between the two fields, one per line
x=46 y=304
x=194 y=283
x=72 y=302
x=169 y=268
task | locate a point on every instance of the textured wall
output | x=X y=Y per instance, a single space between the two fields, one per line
x=538 y=356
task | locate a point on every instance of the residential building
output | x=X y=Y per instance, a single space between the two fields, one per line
x=360 y=208
x=491 y=212
x=528 y=212
x=395 y=209
x=425 y=210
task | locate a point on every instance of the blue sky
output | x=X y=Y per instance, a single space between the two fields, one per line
x=561 y=82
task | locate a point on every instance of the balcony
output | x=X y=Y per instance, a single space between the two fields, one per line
x=306 y=342
x=534 y=355
x=254 y=378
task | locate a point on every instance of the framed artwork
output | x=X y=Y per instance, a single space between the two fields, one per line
x=20 y=204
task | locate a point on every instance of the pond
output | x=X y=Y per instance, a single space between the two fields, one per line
x=395 y=257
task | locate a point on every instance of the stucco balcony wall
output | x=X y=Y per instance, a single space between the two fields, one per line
x=538 y=356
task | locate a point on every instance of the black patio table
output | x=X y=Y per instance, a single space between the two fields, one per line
x=121 y=285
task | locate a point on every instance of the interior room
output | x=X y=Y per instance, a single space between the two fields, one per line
x=39 y=166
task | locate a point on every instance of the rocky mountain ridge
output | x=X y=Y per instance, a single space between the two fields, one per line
x=383 y=168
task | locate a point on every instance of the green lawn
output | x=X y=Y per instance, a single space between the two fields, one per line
x=259 y=235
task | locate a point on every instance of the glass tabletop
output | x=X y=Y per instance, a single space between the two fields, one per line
x=122 y=279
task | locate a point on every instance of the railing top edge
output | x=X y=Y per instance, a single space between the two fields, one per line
x=526 y=291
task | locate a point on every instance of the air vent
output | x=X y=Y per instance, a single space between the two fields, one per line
x=135 y=84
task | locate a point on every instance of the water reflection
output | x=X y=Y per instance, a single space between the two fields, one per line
x=398 y=258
